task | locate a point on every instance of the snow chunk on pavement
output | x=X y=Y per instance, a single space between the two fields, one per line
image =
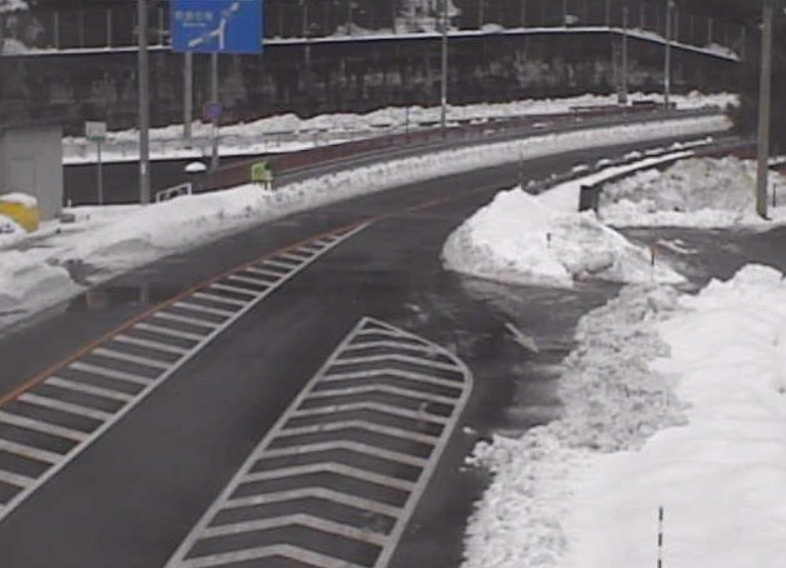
x=700 y=192
x=518 y=239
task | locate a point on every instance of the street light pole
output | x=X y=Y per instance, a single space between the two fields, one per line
x=444 y=86
x=765 y=99
x=143 y=72
x=667 y=69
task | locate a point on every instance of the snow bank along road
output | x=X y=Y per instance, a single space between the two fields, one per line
x=139 y=487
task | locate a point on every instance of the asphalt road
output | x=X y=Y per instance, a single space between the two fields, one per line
x=133 y=495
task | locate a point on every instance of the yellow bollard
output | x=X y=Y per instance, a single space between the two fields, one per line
x=21 y=208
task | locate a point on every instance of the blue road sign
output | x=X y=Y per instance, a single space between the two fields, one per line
x=222 y=26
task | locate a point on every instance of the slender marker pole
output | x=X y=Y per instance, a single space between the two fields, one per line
x=144 y=103
x=660 y=537
x=100 y=172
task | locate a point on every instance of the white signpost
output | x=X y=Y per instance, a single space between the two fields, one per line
x=96 y=132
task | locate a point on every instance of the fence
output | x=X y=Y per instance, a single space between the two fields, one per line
x=113 y=24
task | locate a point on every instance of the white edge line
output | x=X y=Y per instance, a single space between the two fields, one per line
x=178 y=558
x=142 y=395
x=425 y=476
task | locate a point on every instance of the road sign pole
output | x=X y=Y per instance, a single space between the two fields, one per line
x=188 y=97
x=214 y=160
x=143 y=72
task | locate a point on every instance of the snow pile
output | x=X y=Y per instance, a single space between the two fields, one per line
x=721 y=478
x=25 y=281
x=518 y=239
x=7 y=6
x=612 y=402
x=703 y=192
x=141 y=234
x=673 y=402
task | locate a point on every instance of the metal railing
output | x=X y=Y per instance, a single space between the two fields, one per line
x=311 y=162
x=174 y=191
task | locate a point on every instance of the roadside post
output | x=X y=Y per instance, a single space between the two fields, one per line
x=96 y=132
x=214 y=27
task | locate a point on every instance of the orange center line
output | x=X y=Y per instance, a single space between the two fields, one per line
x=81 y=352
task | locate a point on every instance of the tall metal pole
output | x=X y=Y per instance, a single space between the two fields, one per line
x=667 y=65
x=623 y=97
x=143 y=71
x=188 y=97
x=765 y=99
x=214 y=99
x=444 y=86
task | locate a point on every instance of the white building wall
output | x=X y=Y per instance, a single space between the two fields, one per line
x=31 y=161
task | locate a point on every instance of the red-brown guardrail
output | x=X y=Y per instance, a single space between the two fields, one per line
x=240 y=173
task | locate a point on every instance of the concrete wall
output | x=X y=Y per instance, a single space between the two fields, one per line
x=31 y=161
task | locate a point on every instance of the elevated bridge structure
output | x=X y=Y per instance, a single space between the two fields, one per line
x=332 y=67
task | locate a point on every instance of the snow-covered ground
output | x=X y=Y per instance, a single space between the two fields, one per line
x=670 y=400
x=288 y=132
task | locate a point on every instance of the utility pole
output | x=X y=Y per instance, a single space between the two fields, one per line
x=623 y=95
x=667 y=67
x=765 y=99
x=143 y=71
x=444 y=86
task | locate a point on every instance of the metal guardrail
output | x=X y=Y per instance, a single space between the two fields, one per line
x=352 y=154
x=175 y=191
x=589 y=194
